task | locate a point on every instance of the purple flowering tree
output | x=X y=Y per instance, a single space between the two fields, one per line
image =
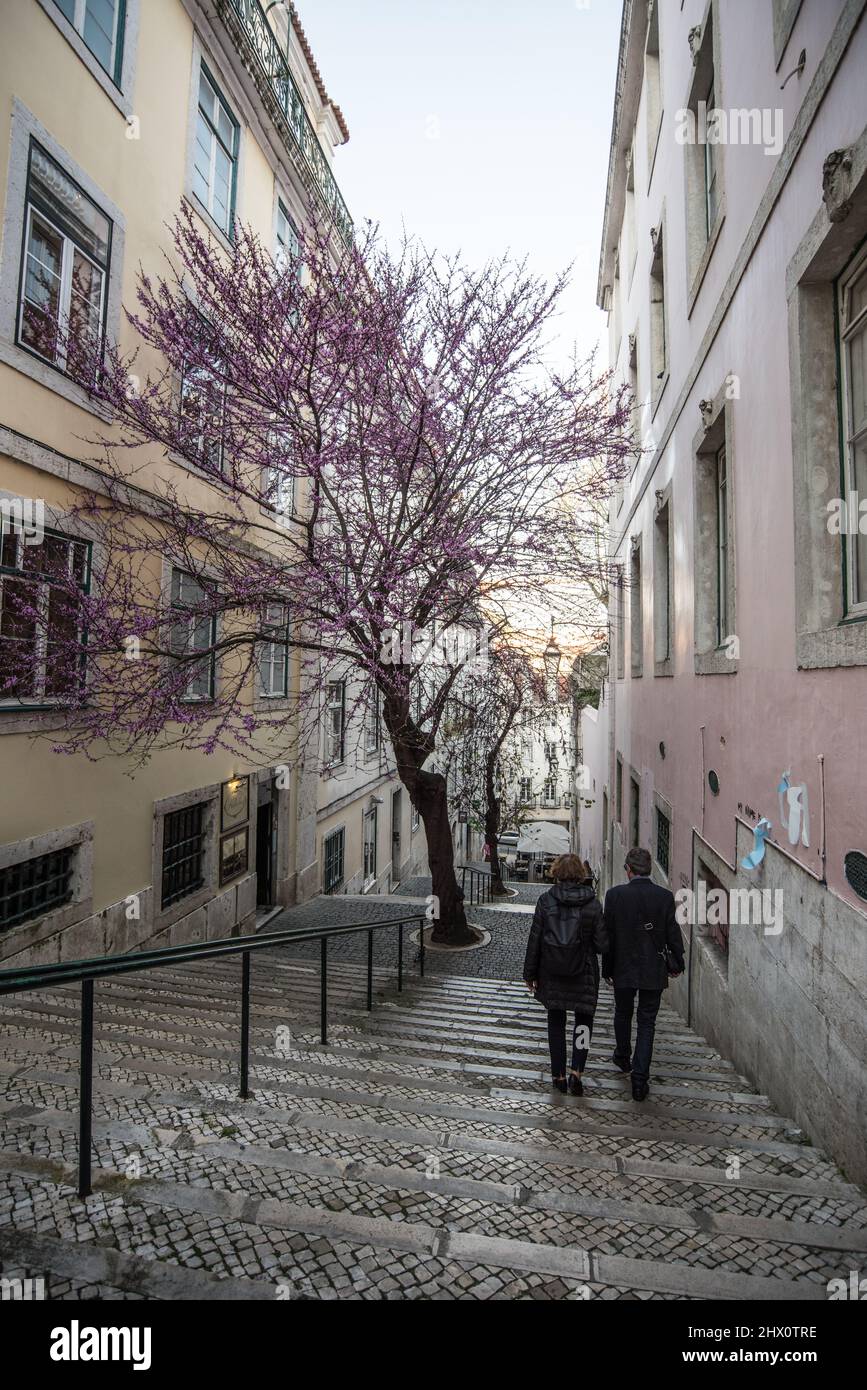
x=332 y=455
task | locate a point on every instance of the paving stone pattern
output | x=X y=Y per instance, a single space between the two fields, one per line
x=419 y=1154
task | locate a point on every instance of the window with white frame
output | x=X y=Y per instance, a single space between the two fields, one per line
x=658 y=335
x=852 y=309
x=662 y=587
x=194 y=630
x=335 y=721
x=636 y=609
x=40 y=633
x=215 y=157
x=203 y=415
x=278 y=483
x=288 y=245
x=525 y=790
x=101 y=24
x=67 y=245
x=369 y=846
x=550 y=791
x=371 y=719
x=274 y=653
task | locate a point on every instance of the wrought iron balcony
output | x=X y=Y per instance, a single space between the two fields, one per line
x=267 y=64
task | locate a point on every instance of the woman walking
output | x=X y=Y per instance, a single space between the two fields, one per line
x=561 y=966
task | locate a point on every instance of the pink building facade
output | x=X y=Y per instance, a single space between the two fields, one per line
x=734 y=274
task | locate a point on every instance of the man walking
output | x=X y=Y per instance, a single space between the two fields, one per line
x=644 y=946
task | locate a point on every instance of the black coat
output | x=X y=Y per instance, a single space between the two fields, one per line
x=632 y=956
x=565 y=939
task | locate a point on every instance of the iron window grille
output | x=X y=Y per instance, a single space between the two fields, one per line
x=332 y=855
x=663 y=841
x=36 y=886
x=183 y=853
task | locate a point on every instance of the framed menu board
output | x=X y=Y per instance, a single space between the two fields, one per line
x=235 y=803
x=233 y=855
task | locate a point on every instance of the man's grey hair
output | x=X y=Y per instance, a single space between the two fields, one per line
x=639 y=861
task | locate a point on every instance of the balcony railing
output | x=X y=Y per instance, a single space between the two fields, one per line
x=271 y=69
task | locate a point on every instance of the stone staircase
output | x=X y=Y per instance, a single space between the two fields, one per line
x=421 y=1154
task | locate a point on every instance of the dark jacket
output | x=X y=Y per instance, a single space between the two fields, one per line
x=565 y=938
x=632 y=956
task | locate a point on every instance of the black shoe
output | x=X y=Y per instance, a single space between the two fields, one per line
x=559 y=1084
x=620 y=1065
x=575 y=1087
x=639 y=1090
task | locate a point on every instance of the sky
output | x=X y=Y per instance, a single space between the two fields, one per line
x=479 y=125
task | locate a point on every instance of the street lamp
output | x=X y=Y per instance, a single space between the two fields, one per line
x=552 y=656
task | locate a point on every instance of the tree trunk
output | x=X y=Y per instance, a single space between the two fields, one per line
x=492 y=827
x=450 y=922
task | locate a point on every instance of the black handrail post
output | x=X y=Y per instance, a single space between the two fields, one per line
x=370 y=971
x=245 y=1025
x=422 y=921
x=400 y=958
x=85 y=1089
x=323 y=989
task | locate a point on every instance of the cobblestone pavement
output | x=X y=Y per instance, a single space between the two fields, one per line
x=419 y=1154
x=501 y=959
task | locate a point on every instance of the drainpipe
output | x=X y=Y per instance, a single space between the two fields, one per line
x=822 y=801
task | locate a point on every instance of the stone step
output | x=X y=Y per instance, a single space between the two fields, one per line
x=203 y=1145
x=603 y=1080
x=568 y=1119
x=237 y=1230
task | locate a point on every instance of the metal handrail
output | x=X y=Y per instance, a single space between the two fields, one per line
x=84 y=972
x=271 y=60
x=481 y=887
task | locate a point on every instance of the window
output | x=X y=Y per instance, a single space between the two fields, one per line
x=636 y=615
x=183 y=853
x=721 y=480
x=67 y=245
x=332 y=861
x=100 y=24
x=525 y=791
x=652 y=85
x=203 y=415
x=193 y=631
x=715 y=596
x=415 y=819
x=288 y=246
x=658 y=340
x=701 y=137
x=369 y=846
x=274 y=653
x=634 y=812
x=662 y=615
x=629 y=215
x=633 y=391
x=35 y=887
x=335 y=721
x=618 y=793
x=620 y=626
x=216 y=154
x=663 y=841
x=711 y=187
x=371 y=719
x=716 y=897
x=40 y=632
x=278 y=481
x=550 y=792
x=852 y=308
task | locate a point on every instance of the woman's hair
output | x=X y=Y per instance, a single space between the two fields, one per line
x=568 y=868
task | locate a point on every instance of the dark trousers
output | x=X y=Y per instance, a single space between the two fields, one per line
x=648 y=1007
x=557 y=1040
